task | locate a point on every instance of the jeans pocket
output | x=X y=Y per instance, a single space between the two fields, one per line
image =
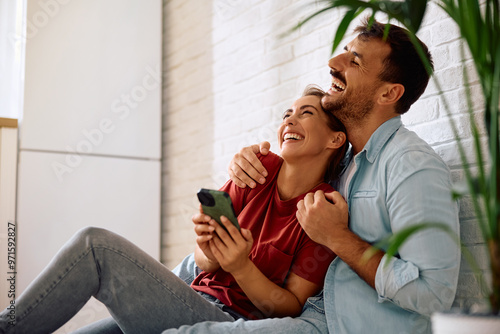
x=315 y=303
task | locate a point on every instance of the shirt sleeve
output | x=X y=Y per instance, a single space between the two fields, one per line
x=241 y=196
x=312 y=262
x=423 y=277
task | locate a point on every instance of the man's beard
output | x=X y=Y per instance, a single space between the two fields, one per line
x=350 y=109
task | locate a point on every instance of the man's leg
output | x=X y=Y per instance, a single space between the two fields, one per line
x=187 y=270
x=140 y=293
x=312 y=320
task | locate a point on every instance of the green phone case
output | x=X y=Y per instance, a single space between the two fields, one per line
x=216 y=203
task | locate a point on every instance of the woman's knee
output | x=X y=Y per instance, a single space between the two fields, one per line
x=91 y=235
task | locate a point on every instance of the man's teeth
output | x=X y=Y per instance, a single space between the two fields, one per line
x=337 y=85
x=293 y=136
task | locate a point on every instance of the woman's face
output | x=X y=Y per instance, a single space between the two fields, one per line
x=304 y=131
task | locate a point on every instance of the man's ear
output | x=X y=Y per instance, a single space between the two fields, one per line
x=338 y=139
x=391 y=93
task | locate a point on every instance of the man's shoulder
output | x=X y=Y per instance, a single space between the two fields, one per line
x=407 y=153
x=406 y=142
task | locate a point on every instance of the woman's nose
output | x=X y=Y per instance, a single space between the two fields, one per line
x=290 y=120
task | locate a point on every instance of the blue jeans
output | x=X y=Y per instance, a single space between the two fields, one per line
x=141 y=294
x=312 y=319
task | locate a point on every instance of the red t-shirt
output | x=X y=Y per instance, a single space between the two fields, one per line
x=280 y=244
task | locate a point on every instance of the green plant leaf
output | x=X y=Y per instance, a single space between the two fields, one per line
x=343 y=26
x=408 y=12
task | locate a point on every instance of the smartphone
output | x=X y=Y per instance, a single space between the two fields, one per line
x=216 y=203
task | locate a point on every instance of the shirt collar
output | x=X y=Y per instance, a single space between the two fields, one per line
x=380 y=137
x=375 y=143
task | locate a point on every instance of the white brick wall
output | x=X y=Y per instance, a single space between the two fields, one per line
x=228 y=75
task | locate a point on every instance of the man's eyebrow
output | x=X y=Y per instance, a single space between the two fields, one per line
x=353 y=52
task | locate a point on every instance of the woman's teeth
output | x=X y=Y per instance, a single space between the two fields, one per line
x=293 y=136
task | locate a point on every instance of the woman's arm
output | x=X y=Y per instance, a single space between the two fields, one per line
x=232 y=250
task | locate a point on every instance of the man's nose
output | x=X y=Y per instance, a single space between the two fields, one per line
x=336 y=63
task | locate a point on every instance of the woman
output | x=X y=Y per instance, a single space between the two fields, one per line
x=269 y=269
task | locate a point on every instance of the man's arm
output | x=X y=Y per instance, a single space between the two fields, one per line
x=325 y=219
x=245 y=169
x=423 y=277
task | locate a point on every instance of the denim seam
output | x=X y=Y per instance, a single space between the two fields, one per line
x=146 y=271
x=53 y=285
x=51 y=288
x=317 y=308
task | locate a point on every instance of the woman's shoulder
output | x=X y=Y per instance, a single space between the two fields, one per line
x=271 y=161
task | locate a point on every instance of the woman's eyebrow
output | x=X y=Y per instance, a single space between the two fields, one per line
x=301 y=108
x=308 y=106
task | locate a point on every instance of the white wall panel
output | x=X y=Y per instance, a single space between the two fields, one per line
x=118 y=194
x=88 y=62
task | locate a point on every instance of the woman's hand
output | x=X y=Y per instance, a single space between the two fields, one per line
x=231 y=248
x=204 y=234
x=245 y=168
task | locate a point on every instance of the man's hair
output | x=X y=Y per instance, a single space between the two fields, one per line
x=403 y=65
x=334 y=168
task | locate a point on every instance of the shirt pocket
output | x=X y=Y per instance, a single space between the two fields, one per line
x=273 y=263
x=367 y=206
x=364 y=194
x=364 y=202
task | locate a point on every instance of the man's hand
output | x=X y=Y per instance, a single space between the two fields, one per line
x=323 y=216
x=245 y=169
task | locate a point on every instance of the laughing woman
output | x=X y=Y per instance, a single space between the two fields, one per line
x=268 y=269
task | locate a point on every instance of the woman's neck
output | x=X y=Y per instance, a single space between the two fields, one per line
x=295 y=179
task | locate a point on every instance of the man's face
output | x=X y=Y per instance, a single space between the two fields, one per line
x=355 y=79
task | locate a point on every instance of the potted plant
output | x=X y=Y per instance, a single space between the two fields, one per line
x=479 y=26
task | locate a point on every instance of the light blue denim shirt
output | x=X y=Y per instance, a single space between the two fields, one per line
x=399 y=181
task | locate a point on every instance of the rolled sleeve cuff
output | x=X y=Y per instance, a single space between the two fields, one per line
x=392 y=275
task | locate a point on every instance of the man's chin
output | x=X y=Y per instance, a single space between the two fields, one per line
x=330 y=103
x=326 y=100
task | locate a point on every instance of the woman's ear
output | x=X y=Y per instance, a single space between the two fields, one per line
x=391 y=93
x=337 y=140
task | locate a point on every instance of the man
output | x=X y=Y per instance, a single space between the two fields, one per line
x=392 y=179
